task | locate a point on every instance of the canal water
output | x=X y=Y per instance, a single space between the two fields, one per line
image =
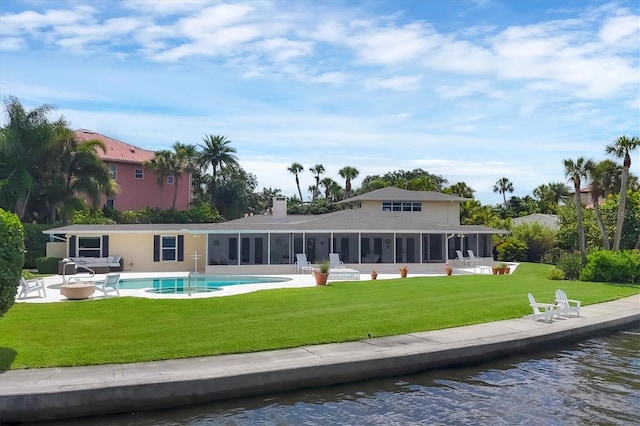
x=592 y=382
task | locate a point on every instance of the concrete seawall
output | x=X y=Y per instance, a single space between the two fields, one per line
x=57 y=393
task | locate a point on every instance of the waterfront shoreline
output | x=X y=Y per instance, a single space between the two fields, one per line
x=58 y=393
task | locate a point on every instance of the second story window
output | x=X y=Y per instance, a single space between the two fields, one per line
x=138 y=174
x=401 y=206
x=170 y=180
x=113 y=168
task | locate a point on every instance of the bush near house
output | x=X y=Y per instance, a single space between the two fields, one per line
x=612 y=267
x=11 y=258
x=571 y=265
x=48 y=265
x=512 y=250
x=35 y=243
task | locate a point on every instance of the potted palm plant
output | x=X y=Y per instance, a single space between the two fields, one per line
x=322 y=272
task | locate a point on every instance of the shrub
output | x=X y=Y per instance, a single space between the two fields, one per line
x=513 y=250
x=11 y=258
x=612 y=267
x=571 y=265
x=35 y=243
x=555 y=274
x=48 y=265
x=536 y=237
x=551 y=256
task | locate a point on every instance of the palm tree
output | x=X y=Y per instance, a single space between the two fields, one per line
x=331 y=188
x=461 y=189
x=185 y=159
x=296 y=168
x=596 y=174
x=160 y=165
x=348 y=173
x=317 y=170
x=217 y=152
x=24 y=142
x=502 y=186
x=620 y=149
x=575 y=171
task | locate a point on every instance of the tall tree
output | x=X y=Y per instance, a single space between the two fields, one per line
x=218 y=152
x=160 y=165
x=620 y=149
x=575 y=171
x=596 y=176
x=461 y=189
x=296 y=168
x=502 y=186
x=317 y=170
x=24 y=142
x=348 y=173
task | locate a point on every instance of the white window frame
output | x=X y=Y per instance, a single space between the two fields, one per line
x=138 y=174
x=113 y=168
x=170 y=180
x=168 y=249
x=111 y=201
x=401 y=206
x=89 y=251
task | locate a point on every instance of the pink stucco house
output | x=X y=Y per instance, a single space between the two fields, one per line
x=139 y=187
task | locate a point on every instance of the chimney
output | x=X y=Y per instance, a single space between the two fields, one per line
x=279 y=209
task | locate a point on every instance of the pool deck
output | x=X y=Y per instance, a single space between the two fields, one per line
x=58 y=393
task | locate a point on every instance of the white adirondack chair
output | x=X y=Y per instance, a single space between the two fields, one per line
x=544 y=311
x=567 y=306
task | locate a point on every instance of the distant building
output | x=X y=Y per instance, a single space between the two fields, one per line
x=549 y=220
x=139 y=187
x=585 y=197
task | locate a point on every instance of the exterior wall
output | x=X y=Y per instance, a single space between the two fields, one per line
x=135 y=194
x=445 y=212
x=56 y=249
x=136 y=250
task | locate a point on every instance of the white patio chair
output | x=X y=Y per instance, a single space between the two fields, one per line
x=567 y=306
x=31 y=285
x=544 y=311
x=335 y=262
x=460 y=258
x=473 y=260
x=110 y=283
x=302 y=264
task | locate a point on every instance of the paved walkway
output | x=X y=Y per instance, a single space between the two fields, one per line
x=54 y=393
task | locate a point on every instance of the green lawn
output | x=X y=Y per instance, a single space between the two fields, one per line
x=128 y=329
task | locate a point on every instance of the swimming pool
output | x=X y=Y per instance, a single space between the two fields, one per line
x=194 y=283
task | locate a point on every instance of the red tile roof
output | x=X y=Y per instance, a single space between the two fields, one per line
x=116 y=150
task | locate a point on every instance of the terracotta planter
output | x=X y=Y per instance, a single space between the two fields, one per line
x=494 y=270
x=374 y=275
x=321 y=278
x=501 y=271
x=507 y=270
x=403 y=273
x=449 y=271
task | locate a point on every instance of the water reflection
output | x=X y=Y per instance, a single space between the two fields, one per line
x=596 y=381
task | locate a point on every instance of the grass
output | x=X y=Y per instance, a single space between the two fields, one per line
x=128 y=329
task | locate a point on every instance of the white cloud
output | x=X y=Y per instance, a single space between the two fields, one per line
x=401 y=83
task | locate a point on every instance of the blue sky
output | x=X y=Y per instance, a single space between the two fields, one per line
x=472 y=90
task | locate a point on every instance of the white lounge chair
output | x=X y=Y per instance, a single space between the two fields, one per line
x=370 y=258
x=110 y=283
x=460 y=258
x=473 y=260
x=302 y=264
x=31 y=285
x=567 y=306
x=335 y=262
x=544 y=311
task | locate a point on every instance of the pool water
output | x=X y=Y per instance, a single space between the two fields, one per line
x=194 y=284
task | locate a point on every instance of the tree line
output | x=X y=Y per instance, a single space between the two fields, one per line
x=48 y=176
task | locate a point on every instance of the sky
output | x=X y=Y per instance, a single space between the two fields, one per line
x=471 y=90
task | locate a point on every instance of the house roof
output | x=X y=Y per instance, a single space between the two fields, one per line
x=117 y=151
x=392 y=193
x=344 y=221
x=549 y=220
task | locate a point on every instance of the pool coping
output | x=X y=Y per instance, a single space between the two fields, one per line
x=58 y=393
